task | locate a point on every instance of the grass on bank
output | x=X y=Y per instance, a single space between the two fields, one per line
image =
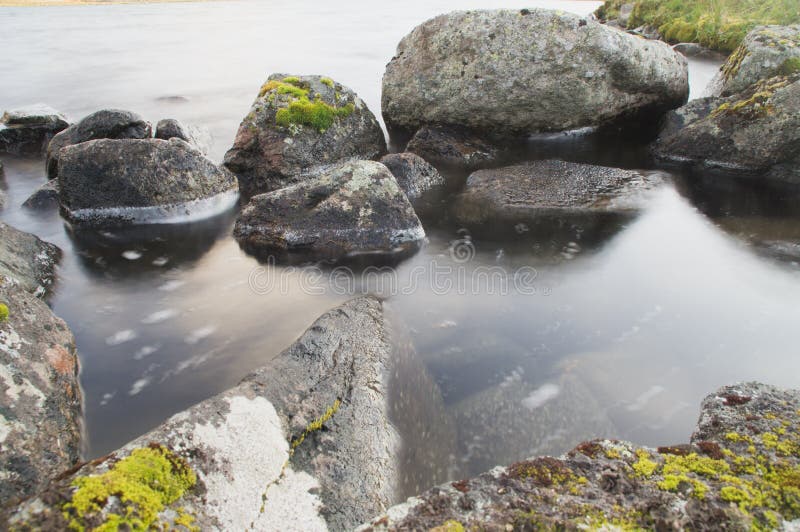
x=717 y=24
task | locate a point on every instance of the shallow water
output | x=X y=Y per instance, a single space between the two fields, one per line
x=571 y=335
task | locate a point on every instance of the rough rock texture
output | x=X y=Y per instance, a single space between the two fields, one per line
x=29 y=260
x=197 y=136
x=141 y=181
x=349 y=208
x=301 y=444
x=749 y=133
x=27 y=131
x=44 y=198
x=452 y=147
x=506 y=71
x=103 y=124
x=3 y=198
x=414 y=175
x=40 y=397
x=296 y=123
x=741 y=471
x=550 y=189
x=766 y=52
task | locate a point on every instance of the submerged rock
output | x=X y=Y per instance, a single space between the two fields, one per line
x=29 y=260
x=40 y=407
x=766 y=52
x=542 y=191
x=739 y=471
x=27 y=131
x=296 y=123
x=301 y=444
x=130 y=181
x=349 y=208
x=103 y=124
x=533 y=70
x=199 y=137
x=44 y=198
x=414 y=175
x=750 y=133
x=453 y=147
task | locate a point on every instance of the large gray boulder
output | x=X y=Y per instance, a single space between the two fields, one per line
x=103 y=124
x=752 y=133
x=303 y=443
x=516 y=72
x=296 y=123
x=29 y=260
x=130 y=181
x=349 y=208
x=40 y=396
x=766 y=52
x=739 y=472
x=27 y=131
x=413 y=173
x=544 y=190
x=197 y=136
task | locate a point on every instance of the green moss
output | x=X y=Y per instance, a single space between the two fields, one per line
x=449 y=526
x=694 y=463
x=293 y=80
x=316 y=114
x=675 y=482
x=717 y=24
x=790 y=66
x=327 y=81
x=3 y=312
x=145 y=482
x=644 y=466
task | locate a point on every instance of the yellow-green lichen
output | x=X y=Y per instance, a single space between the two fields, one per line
x=316 y=424
x=3 y=312
x=145 y=483
x=327 y=81
x=449 y=526
x=644 y=466
x=675 y=483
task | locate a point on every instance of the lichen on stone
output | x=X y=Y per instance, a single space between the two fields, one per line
x=132 y=493
x=3 y=312
x=302 y=107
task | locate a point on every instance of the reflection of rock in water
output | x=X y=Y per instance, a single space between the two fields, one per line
x=517 y=419
x=417 y=410
x=776 y=238
x=140 y=250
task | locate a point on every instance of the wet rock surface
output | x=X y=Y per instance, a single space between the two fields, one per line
x=453 y=147
x=44 y=198
x=551 y=190
x=739 y=471
x=197 y=136
x=40 y=396
x=508 y=71
x=27 y=131
x=414 y=175
x=349 y=208
x=103 y=124
x=296 y=123
x=751 y=133
x=29 y=260
x=121 y=182
x=303 y=443
x=766 y=52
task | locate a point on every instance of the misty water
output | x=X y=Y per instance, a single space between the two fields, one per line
x=615 y=334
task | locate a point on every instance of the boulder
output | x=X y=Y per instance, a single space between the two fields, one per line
x=43 y=198
x=766 y=52
x=131 y=181
x=453 y=148
x=303 y=443
x=349 y=208
x=296 y=123
x=27 y=131
x=104 y=124
x=197 y=136
x=414 y=175
x=750 y=133
x=738 y=472
x=551 y=190
x=40 y=403
x=29 y=260
x=510 y=72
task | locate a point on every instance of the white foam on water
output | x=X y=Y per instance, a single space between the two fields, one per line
x=159 y=316
x=200 y=334
x=170 y=286
x=121 y=337
x=146 y=351
x=139 y=385
x=132 y=255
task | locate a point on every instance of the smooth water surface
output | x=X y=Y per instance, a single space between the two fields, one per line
x=616 y=335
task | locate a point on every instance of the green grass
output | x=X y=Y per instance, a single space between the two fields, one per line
x=717 y=24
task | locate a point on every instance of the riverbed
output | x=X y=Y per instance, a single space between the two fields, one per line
x=577 y=336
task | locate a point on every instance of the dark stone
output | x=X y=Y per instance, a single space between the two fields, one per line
x=44 y=198
x=29 y=260
x=199 y=137
x=414 y=175
x=454 y=148
x=28 y=131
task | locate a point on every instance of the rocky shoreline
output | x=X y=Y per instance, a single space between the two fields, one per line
x=309 y=441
